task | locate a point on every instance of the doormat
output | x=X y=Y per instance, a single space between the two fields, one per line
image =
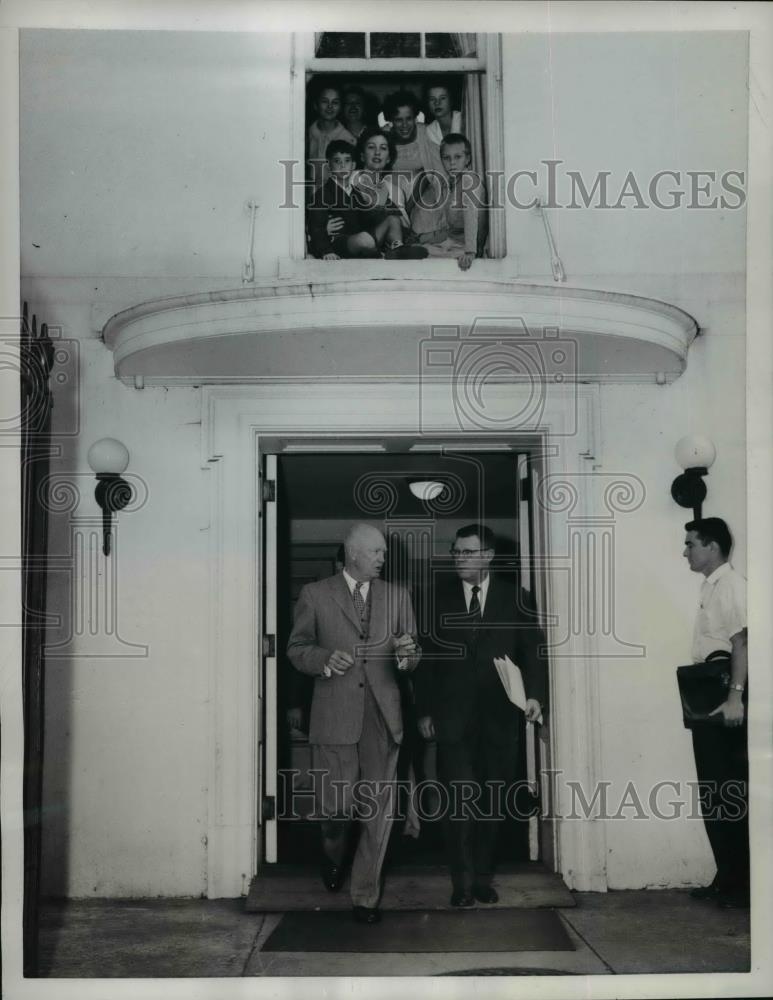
x=469 y=930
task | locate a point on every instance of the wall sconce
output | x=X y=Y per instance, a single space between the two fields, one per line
x=109 y=458
x=426 y=489
x=696 y=454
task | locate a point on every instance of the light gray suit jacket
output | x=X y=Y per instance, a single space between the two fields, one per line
x=326 y=620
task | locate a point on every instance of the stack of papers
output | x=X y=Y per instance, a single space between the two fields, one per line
x=512 y=681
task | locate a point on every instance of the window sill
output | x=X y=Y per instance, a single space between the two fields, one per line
x=312 y=269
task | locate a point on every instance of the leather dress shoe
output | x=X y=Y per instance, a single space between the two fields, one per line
x=366 y=914
x=460 y=897
x=485 y=894
x=332 y=876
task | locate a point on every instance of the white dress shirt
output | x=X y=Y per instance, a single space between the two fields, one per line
x=722 y=612
x=351 y=583
x=481 y=593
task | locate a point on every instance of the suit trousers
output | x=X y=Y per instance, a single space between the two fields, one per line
x=370 y=765
x=722 y=766
x=476 y=771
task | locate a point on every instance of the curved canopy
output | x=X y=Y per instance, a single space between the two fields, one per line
x=400 y=329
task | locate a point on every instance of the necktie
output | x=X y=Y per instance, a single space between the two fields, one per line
x=359 y=601
x=475 y=605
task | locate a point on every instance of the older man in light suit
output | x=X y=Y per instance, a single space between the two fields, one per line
x=352 y=632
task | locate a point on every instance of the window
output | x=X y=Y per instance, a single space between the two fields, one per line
x=378 y=64
x=393 y=45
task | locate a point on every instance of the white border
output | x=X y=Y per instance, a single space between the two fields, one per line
x=491 y=16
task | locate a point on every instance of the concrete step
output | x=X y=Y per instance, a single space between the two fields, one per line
x=283 y=888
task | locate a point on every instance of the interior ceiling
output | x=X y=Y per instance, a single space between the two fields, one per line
x=372 y=487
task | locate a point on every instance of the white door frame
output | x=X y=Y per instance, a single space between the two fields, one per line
x=241 y=423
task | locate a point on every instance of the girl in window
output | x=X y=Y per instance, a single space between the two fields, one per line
x=357 y=112
x=326 y=105
x=444 y=119
x=383 y=198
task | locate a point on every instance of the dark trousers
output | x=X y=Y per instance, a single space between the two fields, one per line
x=476 y=772
x=722 y=765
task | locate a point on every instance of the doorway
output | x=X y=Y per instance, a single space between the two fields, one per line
x=314 y=498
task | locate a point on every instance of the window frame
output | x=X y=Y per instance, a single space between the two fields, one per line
x=488 y=62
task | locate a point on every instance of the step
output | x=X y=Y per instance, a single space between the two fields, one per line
x=283 y=888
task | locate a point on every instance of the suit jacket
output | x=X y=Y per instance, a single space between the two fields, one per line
x=331 y=201
x=457 y=683
x=326 y=620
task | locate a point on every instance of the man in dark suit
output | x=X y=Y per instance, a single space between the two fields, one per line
x=352 y=632
x=462 y=704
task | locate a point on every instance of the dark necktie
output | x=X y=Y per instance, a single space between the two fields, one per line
x=475 y=612
x=359 y=601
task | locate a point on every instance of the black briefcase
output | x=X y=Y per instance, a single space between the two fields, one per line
x=704 y=687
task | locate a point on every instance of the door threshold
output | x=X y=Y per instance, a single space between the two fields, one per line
x=280 y=888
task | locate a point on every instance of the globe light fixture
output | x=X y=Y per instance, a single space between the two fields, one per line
x=695 y=453
x=108 y=458
x=426 y=489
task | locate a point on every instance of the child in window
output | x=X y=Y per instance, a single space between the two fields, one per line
x=462 y=233
x=327 y=127
x=415 y=154
x=384 y=199
x=357 y=114
x=334 y=221
x=417 y=161
x=444 y=119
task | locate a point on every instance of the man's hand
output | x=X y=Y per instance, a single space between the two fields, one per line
x=405 y=650
x=465 y=261
x=334 y=225
x=732 y=710
x=426 y=727
x=339 y=662
x=533 y=710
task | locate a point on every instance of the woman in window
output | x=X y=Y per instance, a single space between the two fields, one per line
x=417 y=160
x=382 y=197
x=326 y=126
x=358 y=110
x=445 y=120
x=415 y=152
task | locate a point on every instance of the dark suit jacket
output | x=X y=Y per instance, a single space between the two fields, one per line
x=331 y=201
x=457 y=681
x=325 y=620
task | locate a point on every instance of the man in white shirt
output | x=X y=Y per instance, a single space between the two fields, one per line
x=721 y=758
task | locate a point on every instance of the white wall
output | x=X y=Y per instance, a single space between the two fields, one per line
x=626 y=102
x=125 y=779
x=139 y=150
x=134 y=187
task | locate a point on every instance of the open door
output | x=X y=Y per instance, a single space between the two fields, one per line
x=534 y=545
x=299 y=545
x=267 y=750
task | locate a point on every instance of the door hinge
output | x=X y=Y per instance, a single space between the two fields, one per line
x=269 y=645
x=268 y=490
x=268 y=810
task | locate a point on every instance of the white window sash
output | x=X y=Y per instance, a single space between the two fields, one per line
x=347 y=64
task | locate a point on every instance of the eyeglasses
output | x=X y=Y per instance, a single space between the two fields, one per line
x=465 y=553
